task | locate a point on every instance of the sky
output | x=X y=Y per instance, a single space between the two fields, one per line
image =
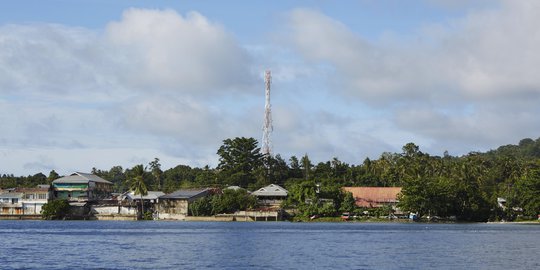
x=87 y=84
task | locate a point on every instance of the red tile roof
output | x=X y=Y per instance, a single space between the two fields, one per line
x=373 y=196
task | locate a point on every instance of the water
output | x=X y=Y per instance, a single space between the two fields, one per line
x=266 y=245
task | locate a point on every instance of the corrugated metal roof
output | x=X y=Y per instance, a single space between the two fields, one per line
x=152 y=195
x=374 y=196
x=185 y=193
x=271 y=190
x=78 y=177
x=233 y=187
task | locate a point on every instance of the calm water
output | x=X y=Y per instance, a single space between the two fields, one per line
x=266 y=245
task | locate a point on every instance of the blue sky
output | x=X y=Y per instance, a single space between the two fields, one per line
x=102 y=83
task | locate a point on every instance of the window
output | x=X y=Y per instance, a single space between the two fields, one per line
x=15 y=200
x=42 y=196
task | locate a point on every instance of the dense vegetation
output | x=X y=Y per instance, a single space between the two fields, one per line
x=466 y=187
x=229 y=201
x=55 y=209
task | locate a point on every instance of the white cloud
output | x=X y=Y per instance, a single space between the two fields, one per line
x=45 y=59
x=486 y=61
x=153 y=79
x=181 y=118
x=157 y=83
x=166 y=51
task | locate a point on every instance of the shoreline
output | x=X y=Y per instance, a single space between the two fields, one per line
x=306 y=220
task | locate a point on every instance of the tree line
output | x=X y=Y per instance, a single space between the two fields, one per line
x=466 y=187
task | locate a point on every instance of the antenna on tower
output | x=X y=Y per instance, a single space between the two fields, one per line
x=267 y=126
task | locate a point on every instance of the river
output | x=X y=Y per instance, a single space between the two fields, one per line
x=266 y=245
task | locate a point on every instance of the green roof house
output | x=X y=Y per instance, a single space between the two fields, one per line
x=82 y=187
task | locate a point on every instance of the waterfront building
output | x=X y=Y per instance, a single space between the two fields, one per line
x=175 y=205
x=270 y=196
x=33 y=199
x=82 y=187
x=374 y=197
x=11 y=203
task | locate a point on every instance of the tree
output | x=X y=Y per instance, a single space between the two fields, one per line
x=239 y=157
x=233 y=200
x=201 y=207
x=137 y=185
x=205 y=177
x=526 y=193
x=349 y=203
x=306 y=166
x=52 y=176
x=55 y=209
x=295 y=168
x=411 y=150
x=155 y=168
x=275 y=170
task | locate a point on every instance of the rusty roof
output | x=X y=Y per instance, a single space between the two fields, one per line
x=31 y=190
x=373 y=196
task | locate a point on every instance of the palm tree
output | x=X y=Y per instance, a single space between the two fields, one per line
x=137 y=185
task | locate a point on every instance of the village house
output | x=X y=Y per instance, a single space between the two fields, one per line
x=175 y=205
x=11 y=203
x=270 y=196
x=374 y=197
x=152 y=197
x=132 y=201
x=23 y=202
x=123 y=206
x=33 y=199
x=81 y=187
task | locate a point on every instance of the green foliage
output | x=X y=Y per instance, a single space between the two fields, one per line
x=526 y=193
x=155 y=168
x=53 y=175
x=229 y=201
x=147 y=215
x=466 y=187
x=233 y=200
x=348 y=204
x=238 y=159
x=329 y=201
x=55 y=209
x=201 y=207
x=137 y=184
x=136 y=181
x=11 y=181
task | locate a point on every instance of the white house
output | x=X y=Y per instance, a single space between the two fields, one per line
x=33 y=199
x=271 y=195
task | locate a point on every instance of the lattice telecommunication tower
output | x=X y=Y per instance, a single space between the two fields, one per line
x=267 y=127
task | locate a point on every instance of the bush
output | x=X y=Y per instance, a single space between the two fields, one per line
x=148 y=216
x=55 y=209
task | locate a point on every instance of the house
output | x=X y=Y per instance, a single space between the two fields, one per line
x=11 y=203
x=271 y=195
x=81 y=187
x=33 y=199
x=150 y=197
x=374 y=197
x=123 y=206
x=175 y=205
x=130 y=200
